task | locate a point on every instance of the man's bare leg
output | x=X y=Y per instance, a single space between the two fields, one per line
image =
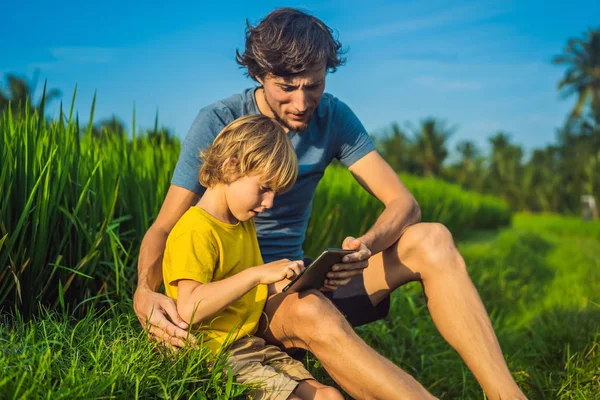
x=426 y=253
x=310 y=321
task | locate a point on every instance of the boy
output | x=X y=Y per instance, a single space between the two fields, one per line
x=212 y=264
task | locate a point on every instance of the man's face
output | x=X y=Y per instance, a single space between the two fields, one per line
x=292 y=100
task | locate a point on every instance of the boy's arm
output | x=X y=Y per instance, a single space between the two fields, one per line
x=198 y=302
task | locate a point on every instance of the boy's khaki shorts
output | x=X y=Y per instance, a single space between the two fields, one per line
x=255 y=362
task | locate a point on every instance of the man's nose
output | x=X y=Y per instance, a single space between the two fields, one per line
x=300 y=101
x=267 y=201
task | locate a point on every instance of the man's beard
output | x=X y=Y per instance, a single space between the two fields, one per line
x=283 y=122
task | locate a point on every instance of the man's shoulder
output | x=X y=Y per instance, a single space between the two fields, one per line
x=331 y=106
x=232 y=107
x=211 y=119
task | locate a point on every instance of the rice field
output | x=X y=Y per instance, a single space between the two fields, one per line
x=74 y=207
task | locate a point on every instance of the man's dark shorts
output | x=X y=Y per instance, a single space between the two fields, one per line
x=353 y=301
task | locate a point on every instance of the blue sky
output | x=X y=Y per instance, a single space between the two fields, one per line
x=483 y=66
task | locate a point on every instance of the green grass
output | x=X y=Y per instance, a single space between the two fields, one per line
x=539 y=279
x=101 y=356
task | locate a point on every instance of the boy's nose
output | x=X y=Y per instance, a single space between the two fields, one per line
x=267 y=201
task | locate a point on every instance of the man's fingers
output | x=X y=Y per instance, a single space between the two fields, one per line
x=171 y=309
x=363 y=254
x=344 y=274
x=350 y=266
x=335 y=283
x=160 y=322
x=162 y=336
x=351 y=243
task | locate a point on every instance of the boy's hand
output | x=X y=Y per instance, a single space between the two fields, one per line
x=278 y=270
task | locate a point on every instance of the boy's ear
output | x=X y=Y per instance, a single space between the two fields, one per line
x=230 y=164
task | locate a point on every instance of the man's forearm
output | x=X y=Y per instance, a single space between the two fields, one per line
x=391 y=224
x=150 y=259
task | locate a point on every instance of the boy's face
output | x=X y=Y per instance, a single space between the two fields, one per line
x=292 y=100
x=248 y=196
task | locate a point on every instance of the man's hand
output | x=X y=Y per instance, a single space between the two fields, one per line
x=352 y=264
x=152 y=310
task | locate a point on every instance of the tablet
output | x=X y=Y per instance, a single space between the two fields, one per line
x=313 y=276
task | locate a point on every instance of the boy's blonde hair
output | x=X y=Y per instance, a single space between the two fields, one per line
x=252 y=144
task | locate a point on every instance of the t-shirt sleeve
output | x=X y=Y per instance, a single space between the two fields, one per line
x=352 y=140
x=205 y=128
x=193 y=256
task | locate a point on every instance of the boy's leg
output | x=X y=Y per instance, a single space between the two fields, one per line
x=311 y=389
x=308 y=388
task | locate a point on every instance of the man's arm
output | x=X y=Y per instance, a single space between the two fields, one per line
x=152 y=307
x=401 y=209
x=375 y=175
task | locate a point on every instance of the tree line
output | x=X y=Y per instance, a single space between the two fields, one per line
x=552 y=179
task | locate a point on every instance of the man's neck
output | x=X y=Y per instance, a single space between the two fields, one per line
x=261 y=103
x=214 y=202
x=263 y=107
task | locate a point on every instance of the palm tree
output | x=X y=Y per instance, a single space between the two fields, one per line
x=468 y=151
x=467 y=170
x=395 y=148
x=505 y=169
x=543 y=181
x=430 y=141
x=20 y=91
x=582 y=56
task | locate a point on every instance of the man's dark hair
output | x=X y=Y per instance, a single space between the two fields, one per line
x=287 y=42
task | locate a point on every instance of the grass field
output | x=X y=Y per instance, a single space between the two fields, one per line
x=539 y=279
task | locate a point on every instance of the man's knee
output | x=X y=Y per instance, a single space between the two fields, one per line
x=316 y=318
x=433 y=246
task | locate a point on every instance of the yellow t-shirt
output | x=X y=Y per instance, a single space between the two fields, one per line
x=204 y=249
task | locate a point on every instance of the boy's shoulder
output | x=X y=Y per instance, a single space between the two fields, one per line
x=198 y=222
x=193 y=222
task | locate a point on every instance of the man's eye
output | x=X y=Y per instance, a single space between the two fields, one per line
x=287 y=88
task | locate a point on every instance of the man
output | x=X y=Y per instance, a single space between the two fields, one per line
x=289 y=54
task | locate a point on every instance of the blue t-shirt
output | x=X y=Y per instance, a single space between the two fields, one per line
x=334 y=131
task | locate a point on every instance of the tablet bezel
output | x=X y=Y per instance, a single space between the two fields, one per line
x=313 y=277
